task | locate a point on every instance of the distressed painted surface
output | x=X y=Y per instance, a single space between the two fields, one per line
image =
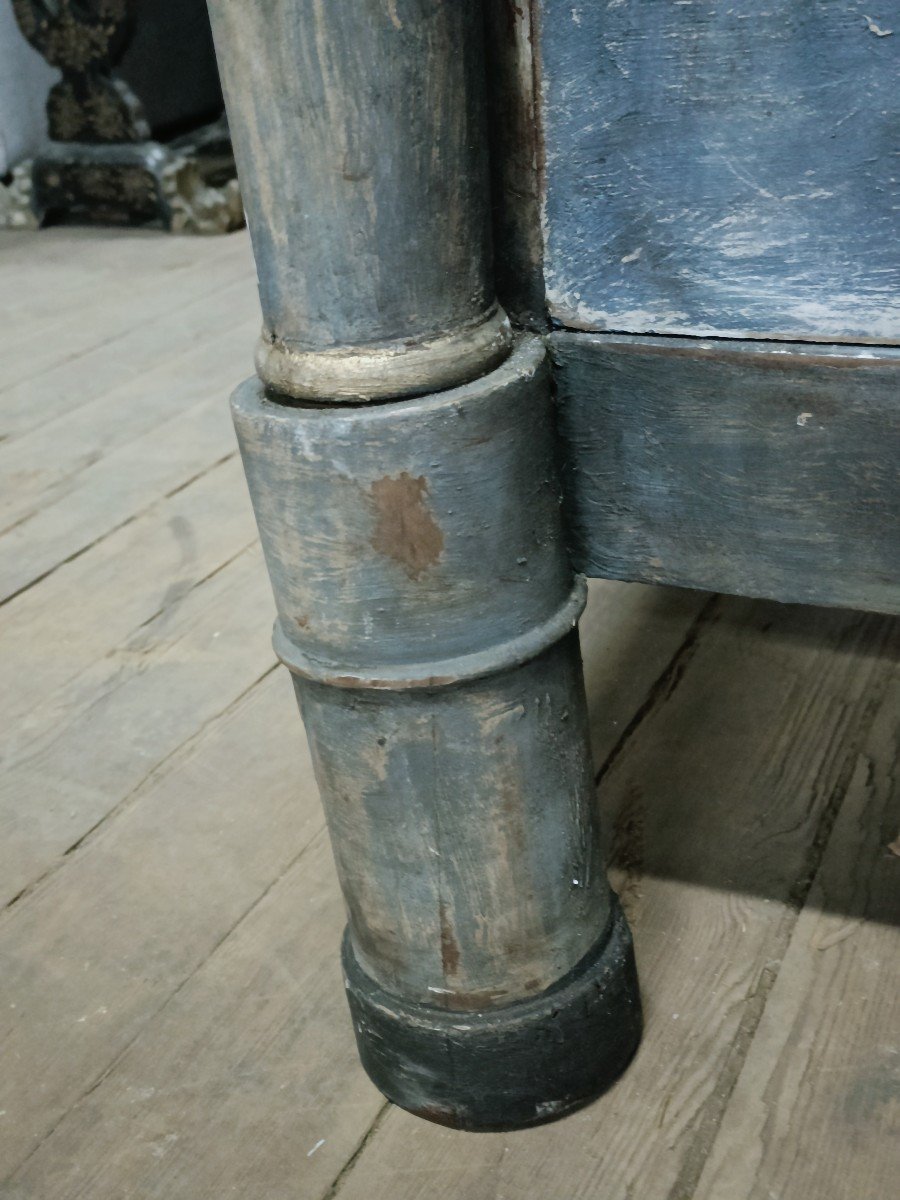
x=726 y=169
x=423 y=540
x=400 y=534
x=517 y=154
x=425 y=599
x=735 y=467
x=464 y=830
x=360 y=134
x=511 y=1068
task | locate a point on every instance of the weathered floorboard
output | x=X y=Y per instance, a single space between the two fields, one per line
x=57 y=268
x=115 y=490
x=85 y=609
x=629 y=636
x=93 y=952
x=84 y=378
x=246 y=1082
x=140 y=702
x=44 y=465
x=816 y=1108
x=110 y=306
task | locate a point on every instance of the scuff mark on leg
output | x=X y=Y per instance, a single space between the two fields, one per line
x=449 y=944
x=405 y=528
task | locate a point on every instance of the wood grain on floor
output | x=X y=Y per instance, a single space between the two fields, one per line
x=172 y=1020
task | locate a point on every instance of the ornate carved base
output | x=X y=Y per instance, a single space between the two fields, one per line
x=16 y=211
x=188 y=185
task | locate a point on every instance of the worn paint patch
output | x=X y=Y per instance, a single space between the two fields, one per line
x=449 y=944
x=448 y=1117
x=405 y=528
x=765 y=208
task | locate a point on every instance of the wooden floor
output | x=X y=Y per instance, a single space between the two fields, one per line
x=172 y=1020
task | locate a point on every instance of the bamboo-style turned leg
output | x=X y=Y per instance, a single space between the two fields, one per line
x=399 y=453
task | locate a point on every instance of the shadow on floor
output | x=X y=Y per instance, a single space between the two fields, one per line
x=771 y=736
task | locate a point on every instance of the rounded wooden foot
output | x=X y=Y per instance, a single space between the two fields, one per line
x=508 y=1068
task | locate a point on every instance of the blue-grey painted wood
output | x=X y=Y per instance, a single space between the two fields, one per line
x=427 y=609
x=416 y=549
x=426 y=604
x=722 y=169
x=360 y=134
x=516 y=160
x=464 y=830
x=401 y=536
x=738 y=467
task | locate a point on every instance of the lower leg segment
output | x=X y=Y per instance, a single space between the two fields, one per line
x=427 y=611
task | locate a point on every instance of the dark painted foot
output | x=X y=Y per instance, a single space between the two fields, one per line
x=524 y=1064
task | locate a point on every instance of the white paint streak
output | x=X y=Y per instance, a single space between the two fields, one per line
x=876 y=29
x=815 y=194
x=320 y=1142
x=566 y=306
x=742 y=177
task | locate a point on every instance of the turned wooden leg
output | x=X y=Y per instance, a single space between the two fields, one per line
x=399 y=450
